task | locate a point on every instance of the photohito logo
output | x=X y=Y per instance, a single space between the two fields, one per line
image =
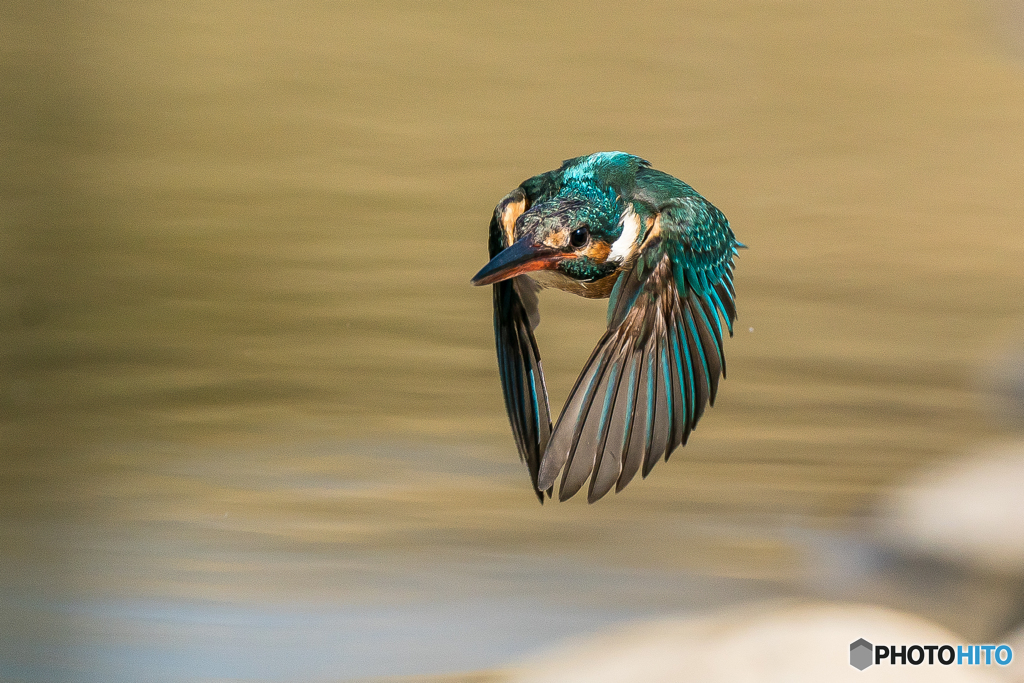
x=863 y=654
x=860 y=654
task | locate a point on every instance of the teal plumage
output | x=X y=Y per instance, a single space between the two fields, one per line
x=605 y=225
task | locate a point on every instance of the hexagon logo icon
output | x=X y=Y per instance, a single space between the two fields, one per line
x=860 y=654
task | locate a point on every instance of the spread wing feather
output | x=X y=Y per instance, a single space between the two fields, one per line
x=658 y=364
x=522 y=376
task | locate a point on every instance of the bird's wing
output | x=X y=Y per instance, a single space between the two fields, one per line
x=516 y=315
x=657 y=366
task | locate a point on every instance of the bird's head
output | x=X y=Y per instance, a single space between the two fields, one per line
x=583 y=234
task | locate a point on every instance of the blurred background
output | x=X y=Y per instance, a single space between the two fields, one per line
x=251 y=425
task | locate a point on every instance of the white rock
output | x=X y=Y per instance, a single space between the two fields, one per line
x=969 y=511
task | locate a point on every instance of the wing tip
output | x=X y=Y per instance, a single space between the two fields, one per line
x=541 y=492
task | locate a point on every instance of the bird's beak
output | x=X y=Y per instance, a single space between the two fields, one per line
x=522 y=257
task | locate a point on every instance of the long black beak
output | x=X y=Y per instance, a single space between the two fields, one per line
x=522 y=257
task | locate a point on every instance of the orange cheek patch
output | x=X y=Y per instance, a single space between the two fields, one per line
x=557 y=239
x=598 y=251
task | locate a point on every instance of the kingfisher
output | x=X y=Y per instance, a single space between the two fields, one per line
x=607 y=225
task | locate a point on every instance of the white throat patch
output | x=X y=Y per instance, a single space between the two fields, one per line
x=623 y=247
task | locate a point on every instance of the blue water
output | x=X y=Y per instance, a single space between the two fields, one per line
x=510 y=610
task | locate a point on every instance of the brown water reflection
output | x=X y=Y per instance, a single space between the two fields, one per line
x=242 y=364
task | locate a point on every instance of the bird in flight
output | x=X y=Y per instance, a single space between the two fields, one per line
x=609 y=225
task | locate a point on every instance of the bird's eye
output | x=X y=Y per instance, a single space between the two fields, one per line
x=579 y=237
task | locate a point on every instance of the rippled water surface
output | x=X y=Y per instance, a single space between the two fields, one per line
x=250 y=414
